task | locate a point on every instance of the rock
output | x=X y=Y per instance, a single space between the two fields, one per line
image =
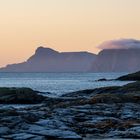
x=30 y=117
x=19 y=96
x=21 y=136
x=8 y=112
x=130 y=88
x=115 y=94
x=130 y=111
x=115 y=98
x=52 y=133
x=135 y=129
x=126 y=134
x=4 y=130
x=91 y=92
x=130 y=77
x=110 y=112
x=56 y=134
x=53 y=124
x=100 y=80
x=39 y=138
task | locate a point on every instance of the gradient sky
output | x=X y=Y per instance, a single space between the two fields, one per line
x=64 y=25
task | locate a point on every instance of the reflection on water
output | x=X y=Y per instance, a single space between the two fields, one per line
x=58 y=83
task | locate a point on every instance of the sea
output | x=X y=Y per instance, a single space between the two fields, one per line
x=57 y=84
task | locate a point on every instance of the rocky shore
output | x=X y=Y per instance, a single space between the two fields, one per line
x=130 y=77
x=109 y=112
x=19 y=96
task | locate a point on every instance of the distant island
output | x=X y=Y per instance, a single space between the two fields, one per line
x=116 y=56
x=121 y=55
x=49 y=60
x=117 y=60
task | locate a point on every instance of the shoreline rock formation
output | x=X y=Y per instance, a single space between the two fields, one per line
x=109 y=112
x=20 y=96
x=130 y=77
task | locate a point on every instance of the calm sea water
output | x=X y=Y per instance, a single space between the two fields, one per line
x=58 y=83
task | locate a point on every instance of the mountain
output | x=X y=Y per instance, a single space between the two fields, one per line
x=117 y=60
x=49 y=60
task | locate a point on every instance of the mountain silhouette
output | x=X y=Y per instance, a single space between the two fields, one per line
x=117 y=60
x=49 y=60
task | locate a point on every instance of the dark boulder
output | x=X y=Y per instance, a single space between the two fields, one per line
x=19 y=96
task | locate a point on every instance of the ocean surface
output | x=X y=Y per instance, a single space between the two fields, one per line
x=58 y=83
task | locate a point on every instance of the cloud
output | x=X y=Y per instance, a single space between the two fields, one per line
x=120 y=44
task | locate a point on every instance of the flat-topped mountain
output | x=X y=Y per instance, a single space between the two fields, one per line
x=49 y=60
x=117 y=60
x=121 y=55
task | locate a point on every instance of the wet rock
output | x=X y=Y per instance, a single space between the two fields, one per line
x=53 y=124
x=52 y=133
x=30 y=118
x=58 y=134
x=4 y=130
x=100 y=80
x=115 y=98
x=110 y=112
x=128 y=134
x=92 y=92
x=21 y=136
x=135 y=129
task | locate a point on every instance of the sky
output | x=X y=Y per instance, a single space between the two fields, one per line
x=64 y=25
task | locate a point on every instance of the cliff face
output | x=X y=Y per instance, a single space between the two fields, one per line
x=108 y=60
x=117 y=60
x=49 y=60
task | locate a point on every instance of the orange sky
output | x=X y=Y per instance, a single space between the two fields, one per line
x=64 y=25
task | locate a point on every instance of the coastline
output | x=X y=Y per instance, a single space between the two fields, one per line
x=103 y=113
